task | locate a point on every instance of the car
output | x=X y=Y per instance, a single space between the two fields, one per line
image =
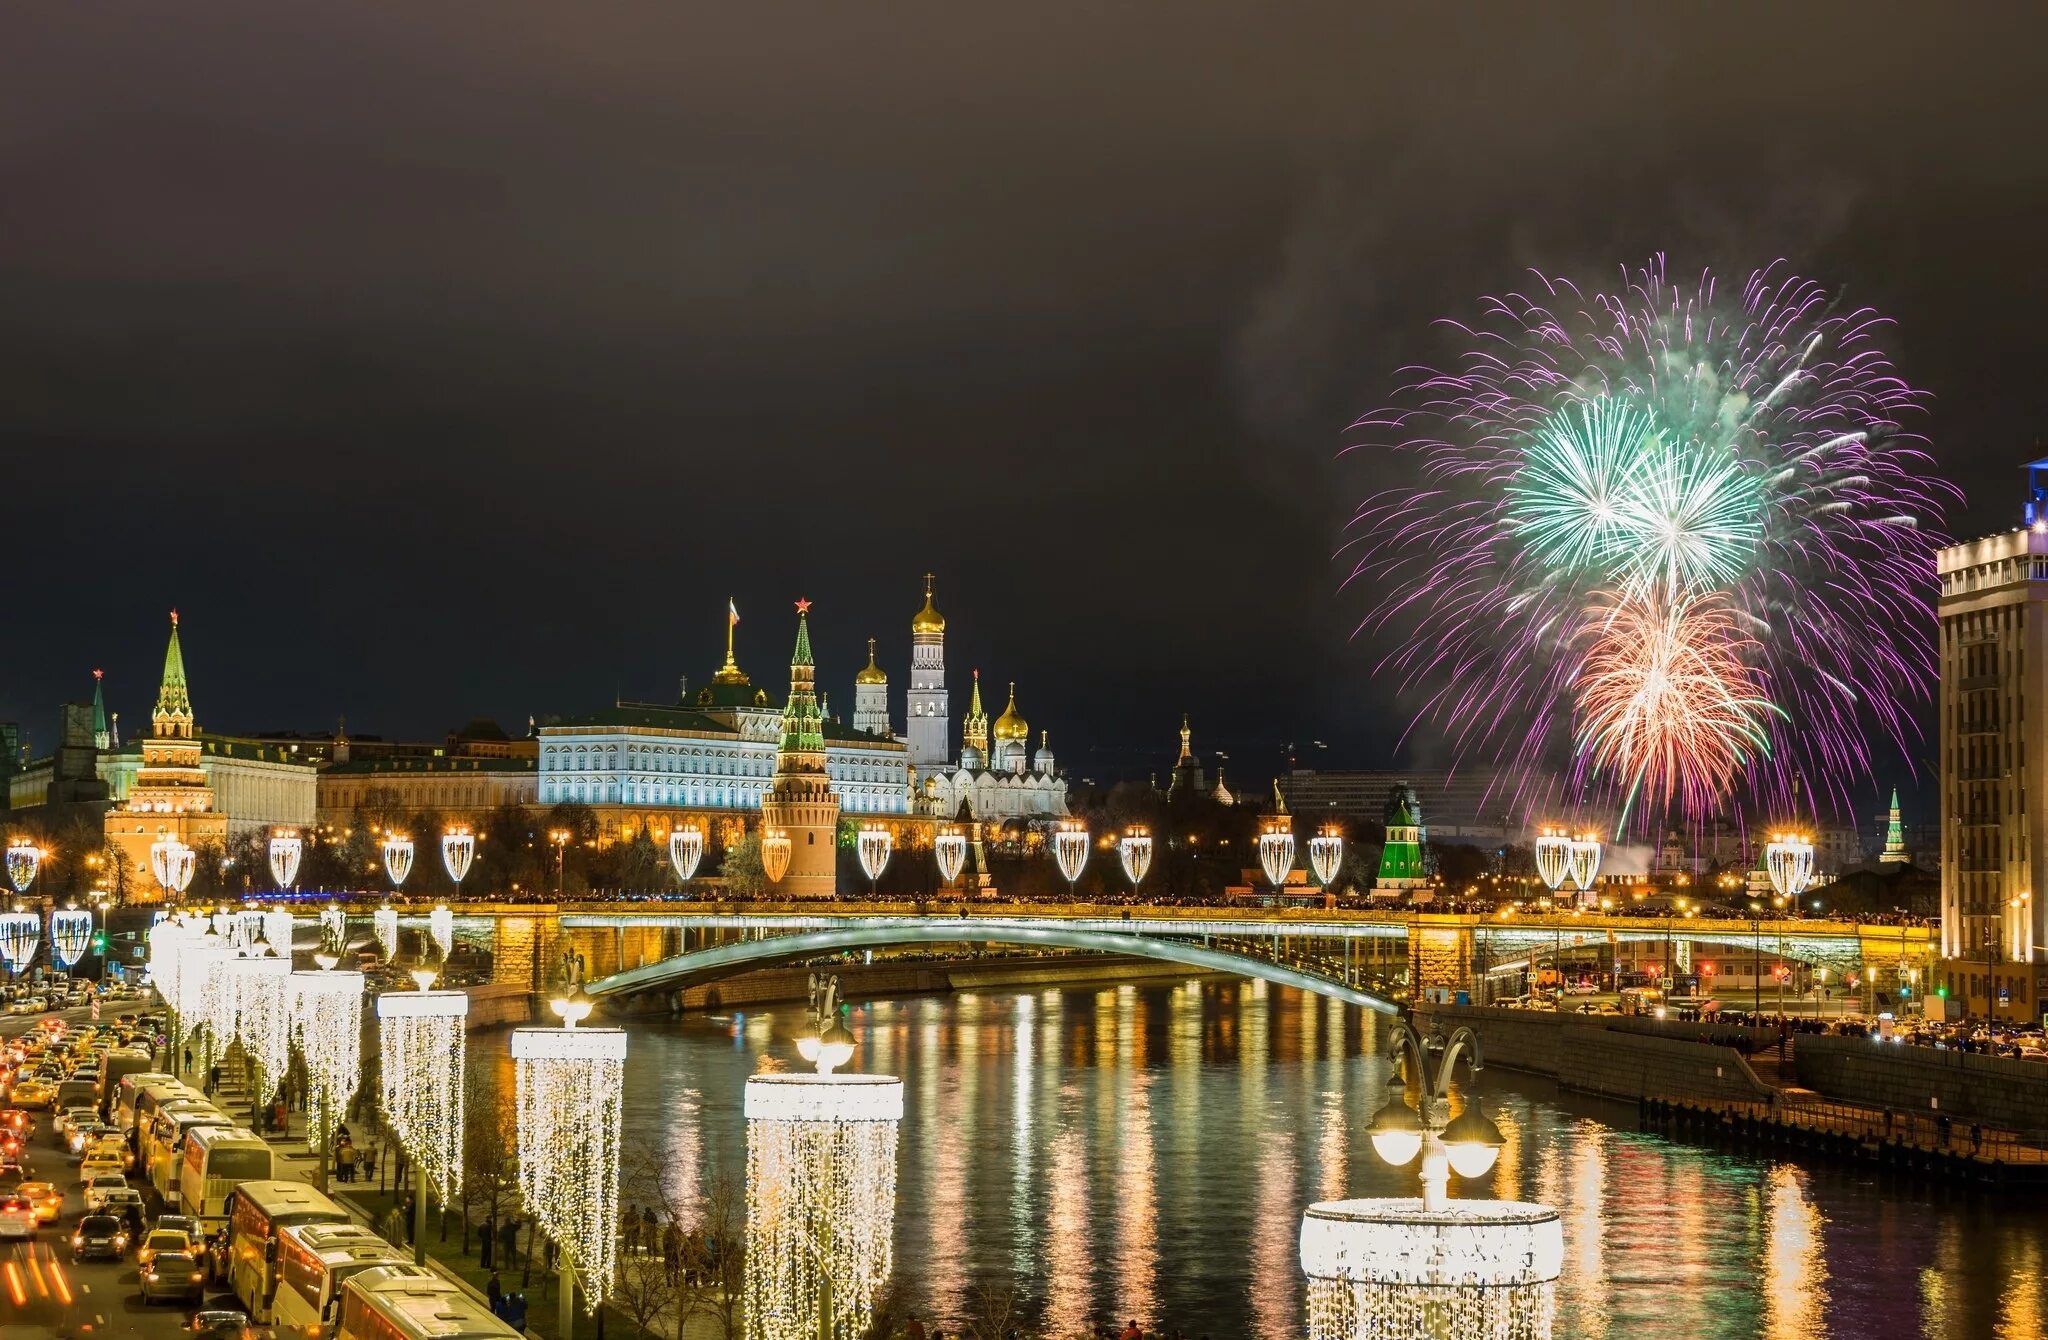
x=14 y=1119
x=73 y=1117
x=11 y=1146
x=160 y=1239
x=101 y=1185
x=12 y=1175
x=220 y=1323
x=99 y=1237
x=47 y=1199
x=26 y=1005
x=110 y=1149
x=87 y=1134
x=175 y=1275
x=34 y=1094
x=122 y=1201
x=17 y=1217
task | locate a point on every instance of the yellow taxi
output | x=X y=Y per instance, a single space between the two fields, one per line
x=47 y=1200
x=34 y=1094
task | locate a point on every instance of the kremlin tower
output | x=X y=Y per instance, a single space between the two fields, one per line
x=871 y=698
x=928 y=726
x=974 y=731
x=170 y=796
x=800 y=804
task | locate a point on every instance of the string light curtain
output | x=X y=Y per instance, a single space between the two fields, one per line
x=821 y=1202
x=326 y=1011
x=262 y=1026
x=569 y=1082
x=1387 y=1269
x=277 y=932
x=423 y=1047
x=208 y=995
x=384 y=925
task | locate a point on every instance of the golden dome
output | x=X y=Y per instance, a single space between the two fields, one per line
x=1010 y=725
x=928 y=619
x=873 y=673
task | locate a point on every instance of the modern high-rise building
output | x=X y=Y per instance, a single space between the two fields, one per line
x=1994 y=742
x=928 y=725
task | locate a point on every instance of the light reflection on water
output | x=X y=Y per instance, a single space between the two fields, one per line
x=1147 y=1152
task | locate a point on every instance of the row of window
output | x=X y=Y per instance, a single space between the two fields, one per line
x=852 y=799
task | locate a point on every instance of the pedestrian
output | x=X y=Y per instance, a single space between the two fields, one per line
x=188 y=1060
x=1976 y=1136
x=1132 y=1331
x=213 y=1079
x=495 y=1292
x=672 y=1251
x=369 y=1163
x=650 y=1229
x=508 y=1241
x=914 y=1331
x=629 y=1228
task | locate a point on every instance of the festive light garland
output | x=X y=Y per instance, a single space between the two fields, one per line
x=422 y=1042
x=1584 y=860
x=1276 y=850
x=1326 y=855
x=1788 y=860
x=261 y=1024
x=458 y=849
x=24 y=858
x=569 y=1085
x=685 y=850
x=70 y=936
x=326 y=1011
x=20 y=934
x=951 y=848
x=1387 y=1269
x=384 y=926
x=286 y=850
x=207 y=995
x=333 y=930
x=1134 y=849
x=441 y=925
x=821 y=1201
x=173 y=863
x=874 y=845
x=398 y=858
x=1553 y=857
x=1070 y=848
x=278 y=932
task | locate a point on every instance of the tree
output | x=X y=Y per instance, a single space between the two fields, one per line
x=995 y=1310
x=742 y=870
x=715 y=1284
x=647 y=1285
x=490 y=1152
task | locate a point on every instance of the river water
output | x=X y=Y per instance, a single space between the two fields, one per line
x=1146 y=1151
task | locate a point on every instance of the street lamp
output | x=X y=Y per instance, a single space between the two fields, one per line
x=685 y=849
x=286 y=850
x=1468 y=1146
x=560 y=837
x=776 y=850
x=874 y=845
x=458 y=849
x=24 y=859
x=1070 y=849
x=1276 y=850
x=950 y=847
x=1326 y=855
x=1135 y=849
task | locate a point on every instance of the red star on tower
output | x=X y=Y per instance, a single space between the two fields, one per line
x=803 y=607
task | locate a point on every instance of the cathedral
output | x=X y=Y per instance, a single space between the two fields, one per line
x=996 y=775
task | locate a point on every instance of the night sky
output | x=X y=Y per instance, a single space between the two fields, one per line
x=445 y=361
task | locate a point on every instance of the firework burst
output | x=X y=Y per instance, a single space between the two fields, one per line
x=1640 y=460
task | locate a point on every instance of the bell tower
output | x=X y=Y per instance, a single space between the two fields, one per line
x=927 y=724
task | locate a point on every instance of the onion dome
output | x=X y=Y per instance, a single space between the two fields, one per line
x=1011 y=725
x=873 y=673
x=928 y=619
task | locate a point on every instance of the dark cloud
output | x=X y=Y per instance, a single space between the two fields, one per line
x=443 y=360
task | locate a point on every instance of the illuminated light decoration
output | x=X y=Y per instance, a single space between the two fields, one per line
x=207 y=995
x=458 y=849
x=423 y=1048
x=286 y=850
x=325 y=1009
x=70 y=936
x=334 y=930
x=1687 y=446
x=20 y=935
x=24 y=859
x=1070 y=848
x=1584 y=859
x=874 y=844
x=1788 y=860
x=166 y=945
x=950 y=847
x=261 y=1023
x=173 y=863
x=1668 y=706
x=384 y=928
x=1276 y=850
x=1326 y=854
x=224 y=923
x=775 y=854
x=441 y=926
x=821 y=1202
x=1134 y=849
x=569 y=1082
x=685 y=850
x=397 y=859
x=1388 y=1269
x=278 y=926
x=1553 y=857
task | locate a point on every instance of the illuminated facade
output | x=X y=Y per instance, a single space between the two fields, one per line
x=169 y=795
x=998 y=778
x=928 y=708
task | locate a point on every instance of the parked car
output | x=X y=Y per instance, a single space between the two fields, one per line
x=175 y=1275
x=99 y=1237
x=17 y=1217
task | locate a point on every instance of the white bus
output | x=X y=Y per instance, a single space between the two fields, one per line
x=161 y=1147
x=216 y=1158
x=142 y=1095
x=383 y=1304
x=257 y=1213
x=315 y=1260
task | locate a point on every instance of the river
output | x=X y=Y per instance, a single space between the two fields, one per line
x=1146 y=1151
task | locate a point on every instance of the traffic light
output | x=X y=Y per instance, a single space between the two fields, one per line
x=99 y=943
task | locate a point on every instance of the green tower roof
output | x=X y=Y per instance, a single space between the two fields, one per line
x=99 y=703
x=174 y=699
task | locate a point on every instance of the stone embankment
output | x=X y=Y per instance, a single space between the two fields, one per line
x=1591 y=1054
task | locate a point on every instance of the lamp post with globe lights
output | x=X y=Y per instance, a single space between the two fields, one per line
x=874 y=845
x=1134 y=848
x=1070 y=850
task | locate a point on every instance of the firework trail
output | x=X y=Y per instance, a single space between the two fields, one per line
x=1660 y=476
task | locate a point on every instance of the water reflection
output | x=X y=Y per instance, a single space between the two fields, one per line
x=1147 y=1151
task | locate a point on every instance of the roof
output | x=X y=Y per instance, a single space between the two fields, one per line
x=656 y=716
x=446 y=766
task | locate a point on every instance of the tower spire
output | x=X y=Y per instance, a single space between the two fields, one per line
x=173 y=715
x=1894 y=852
x=1187 y=754
x=102 y=737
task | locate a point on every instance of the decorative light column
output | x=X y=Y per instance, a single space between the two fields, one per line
x=287 y=848
x=1553 y=858
x=874 y=845
x=423 y=1042
x=278 y=926
x=1585 y=860
x=24 y=859
x=1408 y=1269
x=685 y=850
x=70 y=936
x=458 y=849
x=173 y=864
x=1276 y=850
x=261 y=1023
x=1326 y=855
x=949 y=847
x=384 y=929
x=569 y=1082
x=1070 y=849
x=20 y=935
x=776 y=851
x=1788 y=860
x=1134 y=848
x=441 y=927
x=397 y=859
x=326 y=1013
x=206 y=995
x=821 y=1197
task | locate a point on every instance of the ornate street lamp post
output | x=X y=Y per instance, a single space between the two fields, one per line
x=1070 y=849
x=1135 y=850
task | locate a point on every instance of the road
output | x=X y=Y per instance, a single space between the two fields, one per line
x=42 y=1293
